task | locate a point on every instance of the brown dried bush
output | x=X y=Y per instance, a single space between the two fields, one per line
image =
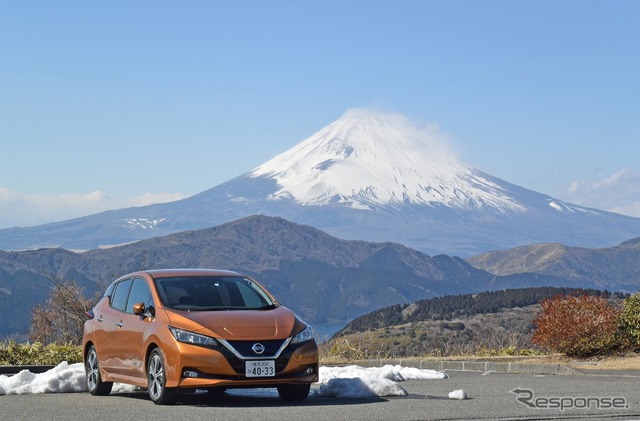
x=577 y=325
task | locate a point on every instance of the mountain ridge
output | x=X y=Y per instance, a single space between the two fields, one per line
x=597 y=266
x=323 y=278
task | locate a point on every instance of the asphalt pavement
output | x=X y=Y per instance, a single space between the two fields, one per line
x=491 y=396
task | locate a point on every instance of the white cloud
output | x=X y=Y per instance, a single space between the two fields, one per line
x=24 y=210
x=618 y=193
x=151 y=198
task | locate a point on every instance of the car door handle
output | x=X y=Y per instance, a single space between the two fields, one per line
x=120 y=324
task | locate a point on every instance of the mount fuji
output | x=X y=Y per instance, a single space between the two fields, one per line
x=367 y=176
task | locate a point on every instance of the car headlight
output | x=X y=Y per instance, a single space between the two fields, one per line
x=192 y=338
x=305 y=335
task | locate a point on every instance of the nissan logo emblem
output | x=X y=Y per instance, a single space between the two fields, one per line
x=258 y=348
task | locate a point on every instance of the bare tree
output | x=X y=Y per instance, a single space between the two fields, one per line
x=60 y=319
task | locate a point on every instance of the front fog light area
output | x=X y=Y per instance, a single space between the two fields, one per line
x=190 y=374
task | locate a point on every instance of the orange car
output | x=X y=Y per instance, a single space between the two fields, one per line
x=167 y=330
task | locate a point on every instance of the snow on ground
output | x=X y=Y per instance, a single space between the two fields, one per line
x=359 y=382
x=63 y=378
x=458 y=394
x=349 y=382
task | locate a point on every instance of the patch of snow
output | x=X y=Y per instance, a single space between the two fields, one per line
x=562 y=207
x=63 y=378
x=143 y=223
x=556 y=206
x=359 y=382
x=237 y=199
x=122 y=388
x=349 y=382
x=458 y=394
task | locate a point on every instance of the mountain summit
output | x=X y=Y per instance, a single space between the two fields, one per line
x=366 y=160
x=367 y=176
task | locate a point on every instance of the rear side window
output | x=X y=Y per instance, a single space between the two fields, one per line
x=119 y=296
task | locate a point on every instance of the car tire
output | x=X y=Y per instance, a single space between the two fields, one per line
x=158 y=391
x=94 y=380
x=294 y=392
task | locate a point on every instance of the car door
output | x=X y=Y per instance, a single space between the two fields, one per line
x=133 y=329
x=109 y=317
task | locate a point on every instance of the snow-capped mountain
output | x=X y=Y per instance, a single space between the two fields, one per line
x=366 y=160
x=376 y=177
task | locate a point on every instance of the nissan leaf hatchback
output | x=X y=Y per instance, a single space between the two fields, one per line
x=167 y=330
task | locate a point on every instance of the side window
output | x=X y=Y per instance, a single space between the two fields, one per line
x=140 y=293
x=119 y=296
x=109 y=291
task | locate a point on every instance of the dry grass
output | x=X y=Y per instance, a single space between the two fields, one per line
x=617 y=362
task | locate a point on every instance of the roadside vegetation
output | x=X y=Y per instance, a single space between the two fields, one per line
x=12 y=353
x=56 y=328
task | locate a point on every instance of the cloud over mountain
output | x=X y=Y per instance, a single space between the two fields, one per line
x=18 y=209
x=619 y=192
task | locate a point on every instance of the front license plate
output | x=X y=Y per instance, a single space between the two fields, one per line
x=266 y=368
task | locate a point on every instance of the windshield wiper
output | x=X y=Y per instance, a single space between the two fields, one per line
x=267 y=307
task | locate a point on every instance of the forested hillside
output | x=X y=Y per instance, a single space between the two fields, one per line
x=454 y=306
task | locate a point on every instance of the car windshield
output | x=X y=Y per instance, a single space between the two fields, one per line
x=207 y=293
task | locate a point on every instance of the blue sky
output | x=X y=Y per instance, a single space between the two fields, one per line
x=113 y=104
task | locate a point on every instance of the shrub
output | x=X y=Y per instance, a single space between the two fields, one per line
x=629 y=323
x=577 y=325
x=12 y=353
x=343 y=350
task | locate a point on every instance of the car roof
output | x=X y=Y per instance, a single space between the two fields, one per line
x=165 y=273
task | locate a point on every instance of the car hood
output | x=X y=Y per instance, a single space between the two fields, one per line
x=277 y=323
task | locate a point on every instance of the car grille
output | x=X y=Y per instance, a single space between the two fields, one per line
x=271 y=348
x=280 y=362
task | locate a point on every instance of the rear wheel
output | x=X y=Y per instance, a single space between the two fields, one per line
x=159 y=393
x=294 y=392
x=94 y=380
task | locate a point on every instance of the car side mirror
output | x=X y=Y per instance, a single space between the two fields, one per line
x=138 y=309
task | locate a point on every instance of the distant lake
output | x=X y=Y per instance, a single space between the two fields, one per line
x=324 y=331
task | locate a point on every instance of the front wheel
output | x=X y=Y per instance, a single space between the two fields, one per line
x=159 y=393
x=94 y=380
x=294 y=392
